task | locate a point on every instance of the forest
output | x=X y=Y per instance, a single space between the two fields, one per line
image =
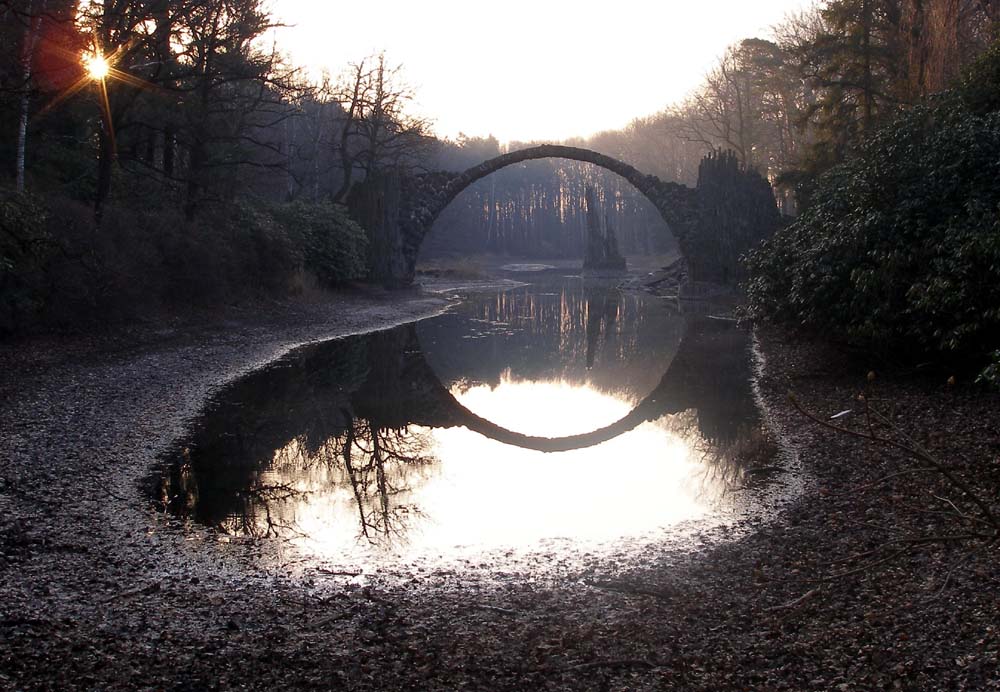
x=197 y=164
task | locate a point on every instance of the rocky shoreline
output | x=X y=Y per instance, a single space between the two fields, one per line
x=99 y=592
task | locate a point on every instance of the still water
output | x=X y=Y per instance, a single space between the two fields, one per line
x=561 y=412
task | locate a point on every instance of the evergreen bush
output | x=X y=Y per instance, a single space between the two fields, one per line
x=333 y=245
x=900 y=249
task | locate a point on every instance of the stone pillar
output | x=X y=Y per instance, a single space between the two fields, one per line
x=602 y=247
x=594 y=253
x=736 y=210
x=375 y=204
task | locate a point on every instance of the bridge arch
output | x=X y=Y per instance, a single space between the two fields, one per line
x=428 y=195
x=652 y=407
x=416 y=395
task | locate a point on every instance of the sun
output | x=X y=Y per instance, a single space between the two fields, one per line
x=96 y=65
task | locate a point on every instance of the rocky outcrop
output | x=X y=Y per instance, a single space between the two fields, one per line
x=602 y=246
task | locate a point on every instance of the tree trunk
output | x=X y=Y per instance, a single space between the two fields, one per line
x=375 y=204
x=290 y=151
x=105 y=161
x=197 y=160
x=27 y=61
x=866 y=36
x=168 y=152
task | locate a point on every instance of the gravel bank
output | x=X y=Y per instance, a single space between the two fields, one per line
x=101 y=593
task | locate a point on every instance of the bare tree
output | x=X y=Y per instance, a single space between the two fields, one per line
x=235 y=100
x=725 y=111
x=376 y=128
x=27 y=62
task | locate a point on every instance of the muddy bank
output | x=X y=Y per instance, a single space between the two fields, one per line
x=100 y=592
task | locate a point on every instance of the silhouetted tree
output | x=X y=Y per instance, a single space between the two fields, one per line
x=376 y=129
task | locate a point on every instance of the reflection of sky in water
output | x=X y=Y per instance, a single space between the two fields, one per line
x=360 y=450
x=482 y=494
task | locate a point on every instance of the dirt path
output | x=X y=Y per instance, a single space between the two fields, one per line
x=101 y=593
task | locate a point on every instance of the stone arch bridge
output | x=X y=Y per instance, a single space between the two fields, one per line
x=398 y=212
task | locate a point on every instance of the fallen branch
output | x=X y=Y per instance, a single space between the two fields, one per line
x=958 y=516
x=629 y=590
x=913 y=449
x=883 y=479
x=960 y=513
x=148 y=589
x=951 y=570
x=612 y=663
x=873 y=525
x=496 y=609
x=866 y=567
x=324 y=621
x=792 y=604
x=946 y=538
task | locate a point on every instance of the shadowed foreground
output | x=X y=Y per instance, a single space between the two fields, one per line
x=101 y=593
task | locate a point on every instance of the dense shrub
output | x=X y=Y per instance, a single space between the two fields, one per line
x=991 y=374
x=900 y=248
x=333 y=245
x=25 y=247
x=980 y=87
x=59 y=268
x=259 y=252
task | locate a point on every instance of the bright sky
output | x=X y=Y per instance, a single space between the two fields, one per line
x=530 y=69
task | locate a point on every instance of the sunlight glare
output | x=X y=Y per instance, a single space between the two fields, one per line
x=97 y=65
x=481 y=495
x=550 y=409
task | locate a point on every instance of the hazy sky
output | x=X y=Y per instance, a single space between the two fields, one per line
x=530 y=69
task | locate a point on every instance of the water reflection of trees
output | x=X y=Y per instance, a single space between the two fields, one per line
x=711 y=374
x=350 y=419
x=295 y=429
x=603 y=312
x=742 y=461
x=711 y=379
x=378 y=463
x=572 y=330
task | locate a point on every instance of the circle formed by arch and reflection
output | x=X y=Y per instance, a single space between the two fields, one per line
x=360 y=441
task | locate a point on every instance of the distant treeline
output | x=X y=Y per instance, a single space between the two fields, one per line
x=538 y=208
x=803 y=99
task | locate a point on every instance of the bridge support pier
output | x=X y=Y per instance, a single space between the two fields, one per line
x=376 y=205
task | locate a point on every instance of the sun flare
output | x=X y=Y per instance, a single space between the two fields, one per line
x=97 y=65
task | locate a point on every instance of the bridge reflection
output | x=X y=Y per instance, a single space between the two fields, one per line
x=358 y=415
